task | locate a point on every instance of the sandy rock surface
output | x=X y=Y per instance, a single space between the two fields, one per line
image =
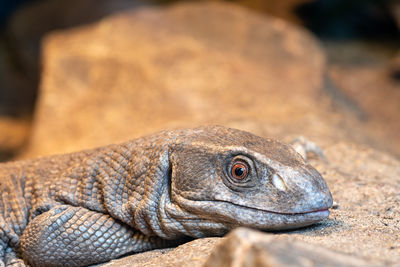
x=13 y=136
x=193 y=253
x=245 y=247
x=376 y=95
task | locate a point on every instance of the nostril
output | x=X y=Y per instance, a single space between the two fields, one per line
x=278 y=182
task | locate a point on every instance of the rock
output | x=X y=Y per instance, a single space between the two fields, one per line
x=373 y=92
x=19 y=54
x=191 y=254
x=208 y=64
x=29 y=24
x=365 y=184
x=21 y=40
x=13 y=136
x=16 y=95
x=394 y=67
x=364 y=87
x=394 y=7
x=185 y=65
x=15 y=106
x=247 y=248
x=285 y=9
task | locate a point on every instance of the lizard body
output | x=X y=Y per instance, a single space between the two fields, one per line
x=95 y=205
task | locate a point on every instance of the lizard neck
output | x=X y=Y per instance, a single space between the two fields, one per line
x=118 y=179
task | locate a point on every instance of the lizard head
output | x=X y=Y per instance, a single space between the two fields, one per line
x=222 y=178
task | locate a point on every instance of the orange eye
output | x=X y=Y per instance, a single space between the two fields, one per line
x=240 y=171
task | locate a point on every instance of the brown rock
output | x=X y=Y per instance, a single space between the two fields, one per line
x=249 y=248
x=374 y=92
x=13 y=136
x=21 y=38
x=395 y=9
x=20 y=43
x=184 y=65
x=284 y=9
x=16 y=92
x=365 y=185
x=19 y=54
x=29 y=24
x=15 y=103
x=394 y=67
x=192 y=254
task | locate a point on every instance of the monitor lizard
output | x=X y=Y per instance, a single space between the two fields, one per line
x=96 y=205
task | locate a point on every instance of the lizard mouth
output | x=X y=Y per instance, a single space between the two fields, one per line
x=232 y=215
x=272 y=221
x=320 y=211
x=316 y=211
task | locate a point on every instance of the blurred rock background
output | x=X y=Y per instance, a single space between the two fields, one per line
x=342 y=83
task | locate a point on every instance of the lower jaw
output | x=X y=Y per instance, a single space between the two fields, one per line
x=323 y=213
x=309 y=218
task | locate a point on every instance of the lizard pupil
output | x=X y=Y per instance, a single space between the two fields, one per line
x=239 y=171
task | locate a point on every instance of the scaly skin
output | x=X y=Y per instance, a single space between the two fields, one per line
x=93 y=206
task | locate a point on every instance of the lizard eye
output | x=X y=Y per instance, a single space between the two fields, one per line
x=240 y=173
x=240 y=170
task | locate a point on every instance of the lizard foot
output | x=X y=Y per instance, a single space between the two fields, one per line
x=12 y=260
x=307 y=149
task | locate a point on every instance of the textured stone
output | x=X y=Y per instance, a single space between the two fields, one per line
x=209 y=63
x=247 y=248
x=284 y=9
x=21 y=41
x=185 y=65
x=16 y=101
x=20 y=51
x=13 y=135
x=29 y=24
x=395 y=64
x=377 y=96
x=193 y=253
x=20 y=44
x=365 y=185
x=16 y=92
x=395 y=9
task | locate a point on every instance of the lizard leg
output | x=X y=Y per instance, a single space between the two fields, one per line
x=75 y=236
x=12 y=259
x=3 y=246
x=9 y=241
